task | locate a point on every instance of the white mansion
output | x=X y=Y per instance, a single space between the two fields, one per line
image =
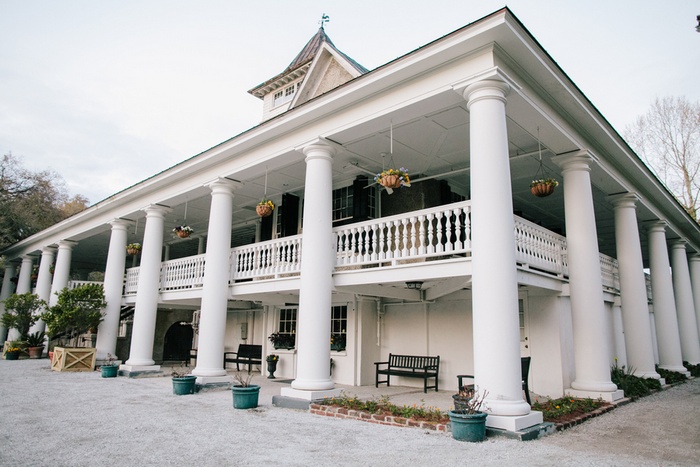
x=466 y=263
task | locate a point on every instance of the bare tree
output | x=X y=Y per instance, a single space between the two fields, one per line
x=667 y=138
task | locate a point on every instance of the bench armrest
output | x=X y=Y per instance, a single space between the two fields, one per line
x=381 y=363
x=230 y=353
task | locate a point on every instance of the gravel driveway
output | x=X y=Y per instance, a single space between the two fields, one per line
x=81 y=419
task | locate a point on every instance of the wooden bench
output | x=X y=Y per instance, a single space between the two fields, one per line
x=411 y=366
x=248 y=354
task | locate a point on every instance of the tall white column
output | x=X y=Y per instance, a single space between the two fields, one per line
x=43 y=282
x=61 y=271
x=667 y=335
x=24 y=285
x=212 y=320
x=685 y=308
x=496 y=330
x=585 y=283
x=633 y=288
x=314 y=318
x=694 y=265
x=7 y=290
x=108 y=331
x=145 y=313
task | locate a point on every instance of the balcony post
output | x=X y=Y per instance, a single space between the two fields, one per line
x=685 y=308
x=495 y=284
x=108 y=331
x=589 y=320
x=317 y=259
x=142 y=338
x=633 y=288
x=664 y=303
x=694 y=265
x=5 y=292
x=212 y=325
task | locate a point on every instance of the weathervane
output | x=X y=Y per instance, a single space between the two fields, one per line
x=324 y=19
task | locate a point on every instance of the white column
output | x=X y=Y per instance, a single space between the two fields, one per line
x=685 y=308
x=694 y=265
x=24 y=285
x=43 y=282
x=589 y=318
x=212 y=320
x=108 y=331
x=496 y=330
x=314 y=318
x=667 y=336
x=633 y=288
x=5 y=292
x=145 y=313
x=61 y=272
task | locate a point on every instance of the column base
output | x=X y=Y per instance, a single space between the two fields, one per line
x=606 y=396
x=679 y=369
x=514 y=423
x=647 y=374
x=310 y=395
x=134 y=371
x=214 y=381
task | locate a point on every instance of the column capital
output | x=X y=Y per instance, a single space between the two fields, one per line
x=120 y=224
x=48 y=250
x=679 y=244
x=694 y=258
x=156 y=210
x=486 y=89
x=318 y=148
x=657 y=226
x=576 y=161
x=223 y=185
x=624 y=200
x=67 y=244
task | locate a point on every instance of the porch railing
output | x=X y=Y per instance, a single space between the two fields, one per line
x=436 y=233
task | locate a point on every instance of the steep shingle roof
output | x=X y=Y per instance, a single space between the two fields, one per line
x=311 y=48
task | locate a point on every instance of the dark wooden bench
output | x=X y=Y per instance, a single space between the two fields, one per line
x=248 y=354
x=411 y=366
x=524 y=372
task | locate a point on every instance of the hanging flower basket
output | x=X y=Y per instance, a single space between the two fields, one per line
x=393 y=178
x=264 y=208
x=183 y=231
x=133 y=248
x=543 y=187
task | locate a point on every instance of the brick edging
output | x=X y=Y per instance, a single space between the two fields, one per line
x=584 y=417
x=379 y=419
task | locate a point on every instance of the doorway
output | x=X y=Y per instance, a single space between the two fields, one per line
x=178 y=342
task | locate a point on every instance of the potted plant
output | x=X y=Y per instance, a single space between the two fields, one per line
x=245 y=394
x=264 y=207
x=338 y=341
x=75 y=312
x=133 y=248
x=110 y=368
x=183 y=382
x=35 y=344
x=282 y=341
x=272 y=360
x=467 y=419
x=393 y=178
x=183 y=231
x=543 y=187
x=12 y=352
x=20 y=313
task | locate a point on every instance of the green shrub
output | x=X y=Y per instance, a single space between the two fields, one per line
x=693 y=369
x=383 y=406
x=632 y=385
x=559 y=409
x=671 y=377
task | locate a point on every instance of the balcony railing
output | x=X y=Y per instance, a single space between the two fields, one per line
x=441 y=233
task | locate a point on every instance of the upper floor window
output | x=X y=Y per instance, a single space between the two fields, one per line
x=284 y=95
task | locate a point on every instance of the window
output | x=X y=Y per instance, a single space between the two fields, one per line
x=342 y=203
x=339 y=326
x=284 y=95
x=285 y=337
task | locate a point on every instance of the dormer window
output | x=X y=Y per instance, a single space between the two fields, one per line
x=284 y=95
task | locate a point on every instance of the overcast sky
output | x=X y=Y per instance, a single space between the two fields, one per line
x=110 y=92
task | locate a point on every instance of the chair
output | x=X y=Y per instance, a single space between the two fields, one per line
x=524 y=371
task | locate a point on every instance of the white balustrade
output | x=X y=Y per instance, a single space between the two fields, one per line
x=73 y=284
x=440 y=233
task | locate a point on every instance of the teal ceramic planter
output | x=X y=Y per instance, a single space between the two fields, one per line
x=109 y=371
x=245 y=397
x=184 y=385
x=468 y=427
x=12 y=356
